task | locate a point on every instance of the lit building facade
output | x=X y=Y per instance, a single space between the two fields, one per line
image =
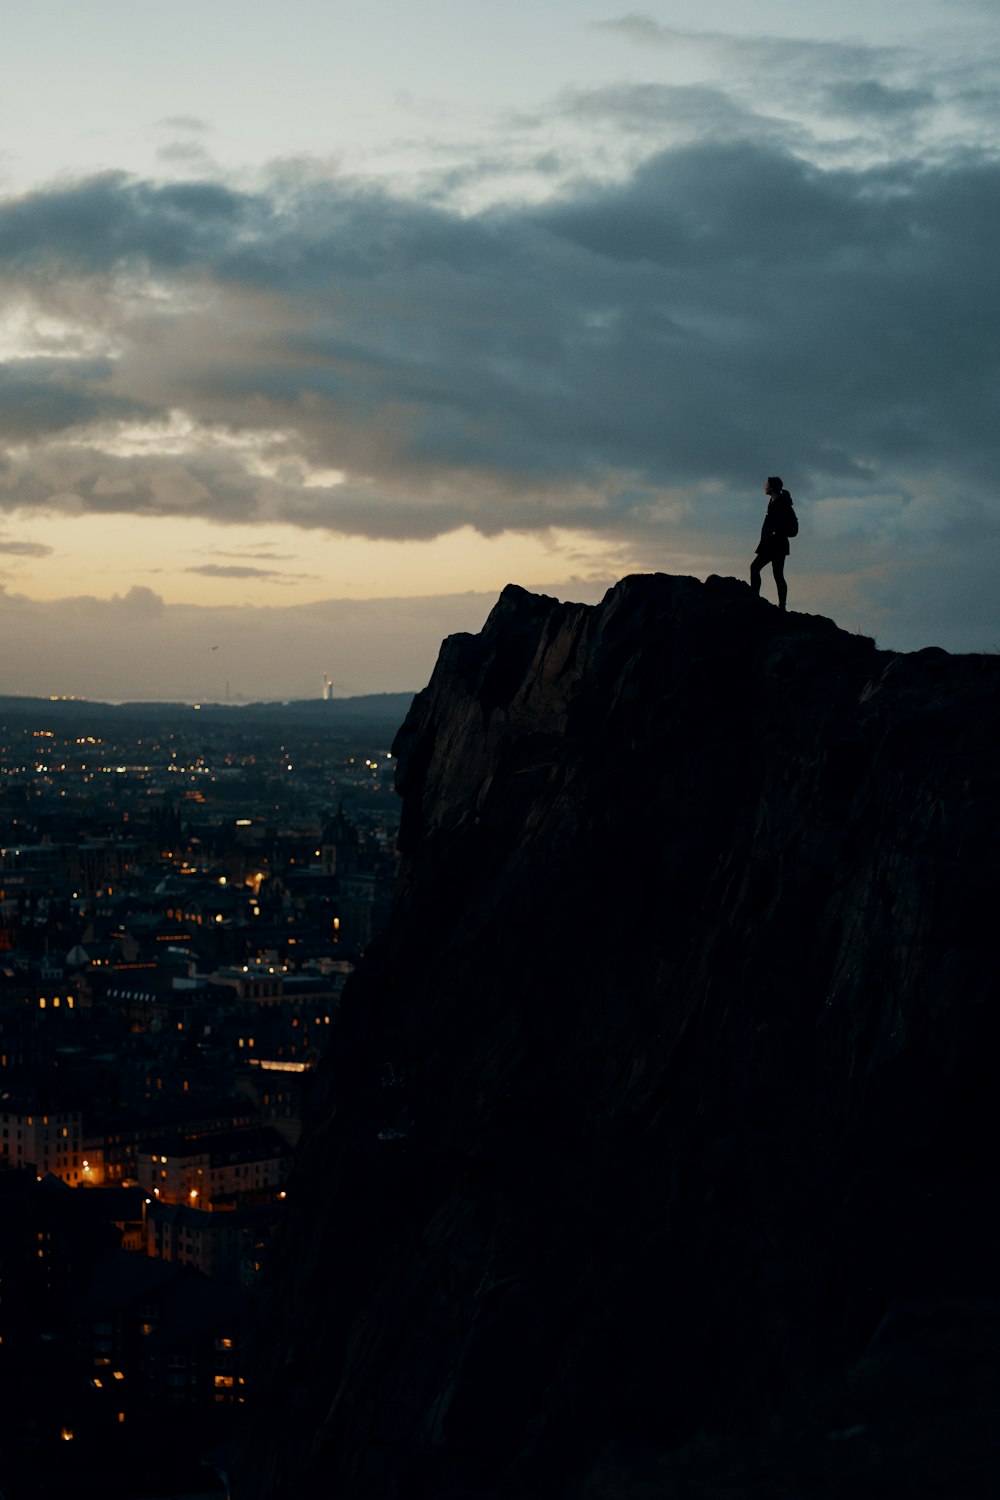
x=211 y=1172
x=46 y=1142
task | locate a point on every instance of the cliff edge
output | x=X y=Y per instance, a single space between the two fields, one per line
x=654 y=1152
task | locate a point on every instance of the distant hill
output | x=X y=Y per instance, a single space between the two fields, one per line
x=380 y=713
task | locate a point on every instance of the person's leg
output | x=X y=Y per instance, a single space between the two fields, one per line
x=778 y=569
x=755 y=575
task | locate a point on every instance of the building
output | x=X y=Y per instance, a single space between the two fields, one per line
x=47 y=1141
x=149 y=1330
x=216 y=1171
x=228 y=1247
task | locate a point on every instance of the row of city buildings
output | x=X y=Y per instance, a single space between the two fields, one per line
x=170 y=968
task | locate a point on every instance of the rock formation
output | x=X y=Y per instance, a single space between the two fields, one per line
x=656 y=1144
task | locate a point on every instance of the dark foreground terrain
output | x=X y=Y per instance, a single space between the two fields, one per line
x=655 y=1150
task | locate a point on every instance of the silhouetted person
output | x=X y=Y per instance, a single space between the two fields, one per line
x=779 y=524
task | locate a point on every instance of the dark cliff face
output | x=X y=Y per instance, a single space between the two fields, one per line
x=670 y=1091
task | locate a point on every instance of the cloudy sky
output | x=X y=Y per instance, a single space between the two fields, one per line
x=321 y=322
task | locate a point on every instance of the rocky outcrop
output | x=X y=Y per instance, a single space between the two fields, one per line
x=670 y=1090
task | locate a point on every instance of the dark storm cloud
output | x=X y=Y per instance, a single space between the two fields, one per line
x=40 y=396
x=111 y=222
x=86 y=480
x=260 y=554
x=779 y=57
x=235 y=570
x=869 y=88
x=869 y=96
x=728 y=308
x=25 y=549
x=187 y=124
x=183 y=153
x=660 y=107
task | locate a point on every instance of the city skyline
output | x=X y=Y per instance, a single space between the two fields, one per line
x=318 y=328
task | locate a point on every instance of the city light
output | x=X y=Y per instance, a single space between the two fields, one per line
x=208 y=1013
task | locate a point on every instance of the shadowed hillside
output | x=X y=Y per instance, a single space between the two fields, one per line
x=654 y=1152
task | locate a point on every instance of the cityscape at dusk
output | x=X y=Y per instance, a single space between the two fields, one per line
x=182 y=898
x=319 y=325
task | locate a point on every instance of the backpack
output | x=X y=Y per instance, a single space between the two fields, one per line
x=787 y=520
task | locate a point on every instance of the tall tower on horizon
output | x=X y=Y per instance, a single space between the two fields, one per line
x=327 y=688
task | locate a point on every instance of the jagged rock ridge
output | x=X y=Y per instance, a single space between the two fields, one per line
x=671 y=1083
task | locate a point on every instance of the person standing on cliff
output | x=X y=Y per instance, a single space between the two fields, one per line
x=779 y=524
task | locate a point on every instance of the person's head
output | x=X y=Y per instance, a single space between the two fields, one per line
x=773 y=485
